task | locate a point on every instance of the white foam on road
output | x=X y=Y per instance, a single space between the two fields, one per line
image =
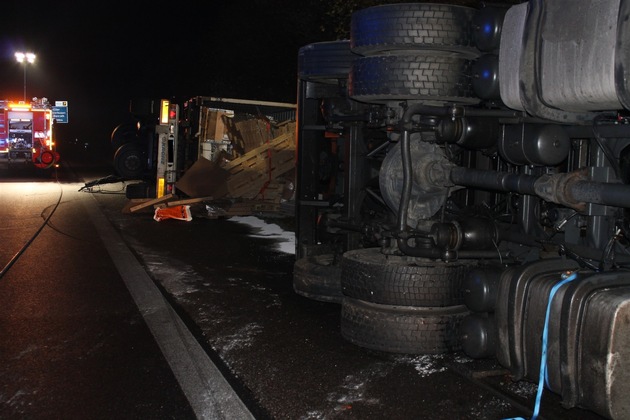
x=286 y=239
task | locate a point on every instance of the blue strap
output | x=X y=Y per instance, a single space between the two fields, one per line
x=542 y=377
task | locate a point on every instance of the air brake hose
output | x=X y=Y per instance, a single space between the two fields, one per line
x=13 y=260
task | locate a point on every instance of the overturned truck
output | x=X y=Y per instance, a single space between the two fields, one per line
x=207 y=146
x=463 y=185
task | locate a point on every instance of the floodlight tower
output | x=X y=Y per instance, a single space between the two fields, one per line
x=25 y=58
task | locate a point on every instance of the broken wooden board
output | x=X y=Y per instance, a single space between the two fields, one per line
x=152 y=202
x=187 y=201
x=249 y=173
x=134 y=202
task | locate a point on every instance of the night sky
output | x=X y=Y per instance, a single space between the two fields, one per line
x=99 y=55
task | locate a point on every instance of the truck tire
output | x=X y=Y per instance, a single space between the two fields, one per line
x=129 y=161
x=413 y=26
x=414 y=77
x=318 y=277
x=369 y=275
x=401 y=329
x=124 y=133
x=140 y=190
x=325 y=61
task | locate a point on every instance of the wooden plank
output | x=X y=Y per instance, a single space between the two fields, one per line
x=248 y=174
x=257 y=151
x=250 y=186
x=271 y=192
x=253 y=133
x=133 y=202
x=187 y=201
x=152 y=202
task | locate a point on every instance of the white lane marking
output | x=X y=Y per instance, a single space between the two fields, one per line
x=207 y=390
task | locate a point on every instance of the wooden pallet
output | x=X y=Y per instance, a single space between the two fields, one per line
x=251 y=172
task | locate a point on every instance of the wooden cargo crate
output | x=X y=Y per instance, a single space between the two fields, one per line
x=249 y=173
x=247 y=135
x=214 y=124
x=260 y=174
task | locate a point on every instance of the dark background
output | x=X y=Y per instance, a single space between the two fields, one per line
x=99 y=55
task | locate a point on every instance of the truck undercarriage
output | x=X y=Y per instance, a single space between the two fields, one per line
x=463 y=186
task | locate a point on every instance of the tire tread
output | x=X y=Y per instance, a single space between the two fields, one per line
x=399 y=329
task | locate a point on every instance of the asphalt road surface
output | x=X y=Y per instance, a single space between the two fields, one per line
x=108 y=314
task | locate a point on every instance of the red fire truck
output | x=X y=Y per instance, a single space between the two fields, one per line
x=26 y=133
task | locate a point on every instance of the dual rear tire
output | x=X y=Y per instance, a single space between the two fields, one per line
x=398 y=52
x=402 y=304
x=411 y=52
x=418 y=52
x=389 y=303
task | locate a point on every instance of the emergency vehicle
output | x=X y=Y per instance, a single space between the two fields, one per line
x=26 y=133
